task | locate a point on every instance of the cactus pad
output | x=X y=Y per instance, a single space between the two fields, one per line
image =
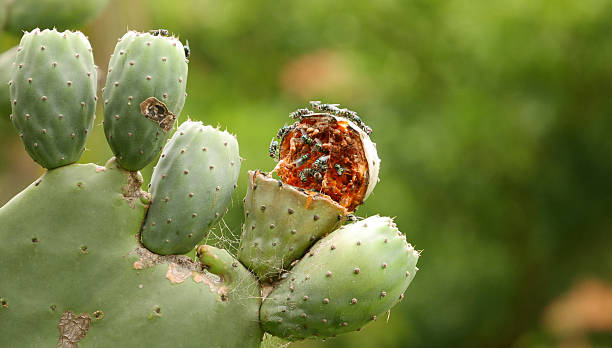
x=281 y=223
x=345 y=281
x=192 y=186
x=143 y=96
x=53 y=95
x=76 y=273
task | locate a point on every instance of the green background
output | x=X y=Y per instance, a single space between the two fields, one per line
x=493 y=123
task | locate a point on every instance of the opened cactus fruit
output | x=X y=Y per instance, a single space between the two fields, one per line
x=88 y=258
x=330 y=166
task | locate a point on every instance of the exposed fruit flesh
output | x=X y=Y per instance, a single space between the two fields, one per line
x=326 y=155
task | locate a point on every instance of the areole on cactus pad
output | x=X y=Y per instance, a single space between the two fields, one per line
x=90 y=259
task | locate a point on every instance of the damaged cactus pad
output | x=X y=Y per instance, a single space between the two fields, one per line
x=90 y=259
x=143 y=96
x=327 y=166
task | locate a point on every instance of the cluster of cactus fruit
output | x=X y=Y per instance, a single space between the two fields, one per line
x=87 y=257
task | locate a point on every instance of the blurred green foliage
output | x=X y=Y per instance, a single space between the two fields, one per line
x=61 y=14
x=492 y=119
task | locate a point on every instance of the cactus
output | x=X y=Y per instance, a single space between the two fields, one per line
x=347 y=279
x=53 y=93
x=81 y=259
x=143 y=96
x=274 y=235
x=88 y=258
x=17 y=16
x=191 y=186
x=318 y=197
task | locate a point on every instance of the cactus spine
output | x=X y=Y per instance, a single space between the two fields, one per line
x=143 y=96
x=53 y=93
x=191 y=186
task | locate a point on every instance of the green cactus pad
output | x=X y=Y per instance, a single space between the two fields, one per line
x=73 y=273
x=192 y=186
x=53 y=94
x=143 y=96
x=281 y=223
x=345 y=281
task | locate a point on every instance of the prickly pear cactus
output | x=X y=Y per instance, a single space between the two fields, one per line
x=191 y=186
x=143 y=96
x=76 y=274
x=90 y=259
x=53 y=93
x=330 y=165
x=346 y=280
x=274 y=235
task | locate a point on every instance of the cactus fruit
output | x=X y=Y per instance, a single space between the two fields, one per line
x=191 y=186
x=346 y=280
x=143 y=96
x=78 y=229
x=329 y=152
x=53 y=93
x=311 y=153
x=274 y=235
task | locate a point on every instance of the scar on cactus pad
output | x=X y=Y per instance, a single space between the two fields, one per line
x=328 y=151
x=158 y=112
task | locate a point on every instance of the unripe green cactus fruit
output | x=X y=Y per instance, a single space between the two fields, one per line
x=345 y=281
x=53 y=95
x=275 y=234
x=143 y=96
x=191 y=186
